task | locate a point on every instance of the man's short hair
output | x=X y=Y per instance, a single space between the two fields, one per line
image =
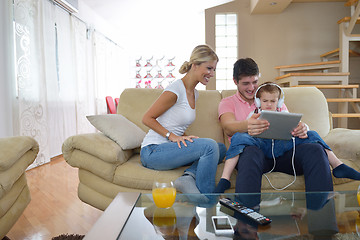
x=245 y=67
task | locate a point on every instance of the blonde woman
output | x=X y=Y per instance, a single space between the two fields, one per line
x=165 y=146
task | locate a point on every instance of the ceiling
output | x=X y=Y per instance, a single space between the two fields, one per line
x=277 y=6
x=109 y=9
x=131 y=16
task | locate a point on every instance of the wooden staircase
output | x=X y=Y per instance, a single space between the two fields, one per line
x=335 y=54
x=332 y=72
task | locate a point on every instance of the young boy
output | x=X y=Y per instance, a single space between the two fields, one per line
x=268 y=97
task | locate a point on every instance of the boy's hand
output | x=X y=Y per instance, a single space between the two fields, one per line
x=300 y=131
x=257 y=126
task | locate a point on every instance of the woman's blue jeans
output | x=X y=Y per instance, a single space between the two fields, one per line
x=203 y=155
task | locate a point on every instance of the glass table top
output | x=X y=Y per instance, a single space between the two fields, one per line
x=294 y=215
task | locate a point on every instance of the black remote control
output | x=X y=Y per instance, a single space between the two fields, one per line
x=245 y=211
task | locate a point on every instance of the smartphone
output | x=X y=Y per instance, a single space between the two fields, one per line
x=222 y=225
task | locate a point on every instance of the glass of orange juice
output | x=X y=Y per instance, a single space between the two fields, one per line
x=358 y=194
x=164 y=217
x=164 y=194
x=164 y=221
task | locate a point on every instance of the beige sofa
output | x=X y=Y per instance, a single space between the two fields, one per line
x=106 y=169
x=16 y=154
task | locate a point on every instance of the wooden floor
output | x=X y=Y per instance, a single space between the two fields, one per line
x=55 y=207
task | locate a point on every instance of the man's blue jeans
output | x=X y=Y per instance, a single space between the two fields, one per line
x=203 y=155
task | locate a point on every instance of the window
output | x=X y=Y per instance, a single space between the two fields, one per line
x=226 y=44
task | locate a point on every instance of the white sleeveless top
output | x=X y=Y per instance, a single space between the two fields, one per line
x=177 y=118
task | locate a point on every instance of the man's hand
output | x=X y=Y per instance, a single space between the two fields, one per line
x=257 y=126
x=300 y=131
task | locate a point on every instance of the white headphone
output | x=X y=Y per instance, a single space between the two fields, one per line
x=280 y=102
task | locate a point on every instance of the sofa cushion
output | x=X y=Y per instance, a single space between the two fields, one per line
x=133 y=174
x=134 y=102
x=311 y=102
x=119 y=129
x=206 y=124
x=344 y=143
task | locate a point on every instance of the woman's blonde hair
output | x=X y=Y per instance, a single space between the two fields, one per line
x=200 y=54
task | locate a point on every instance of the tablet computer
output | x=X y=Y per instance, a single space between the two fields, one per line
x=281 y=124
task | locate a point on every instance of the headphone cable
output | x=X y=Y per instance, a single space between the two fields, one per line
x=292 y=162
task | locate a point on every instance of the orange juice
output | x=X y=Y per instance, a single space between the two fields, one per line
x=164 y=221
x=164 y=217
x=164 y=197
x=358 y=197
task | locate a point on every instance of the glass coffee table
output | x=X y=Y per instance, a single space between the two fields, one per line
x=294 y=215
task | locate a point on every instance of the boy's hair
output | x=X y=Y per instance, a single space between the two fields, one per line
x=245 y=67
x=269 y=87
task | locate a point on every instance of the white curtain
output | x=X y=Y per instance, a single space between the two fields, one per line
x=35 y=70
x=85 y=103
x=64 y=72
x=110 y=70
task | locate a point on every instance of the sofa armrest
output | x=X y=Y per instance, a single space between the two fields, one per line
x=96 y=153
x=97 y=145
x=16 y=154
x=345 y=143
x=14 y=148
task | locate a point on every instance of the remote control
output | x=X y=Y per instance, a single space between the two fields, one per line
x=245 y=211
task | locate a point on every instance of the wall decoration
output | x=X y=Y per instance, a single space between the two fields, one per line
x=147 y=72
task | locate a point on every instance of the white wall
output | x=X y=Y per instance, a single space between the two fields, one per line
x=152 y=29
x=144 y=26
x=95 y=21
x=300 y=34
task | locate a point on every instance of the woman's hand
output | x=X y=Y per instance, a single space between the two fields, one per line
x=257 y=126
x=300 y=131
x=181 y=139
